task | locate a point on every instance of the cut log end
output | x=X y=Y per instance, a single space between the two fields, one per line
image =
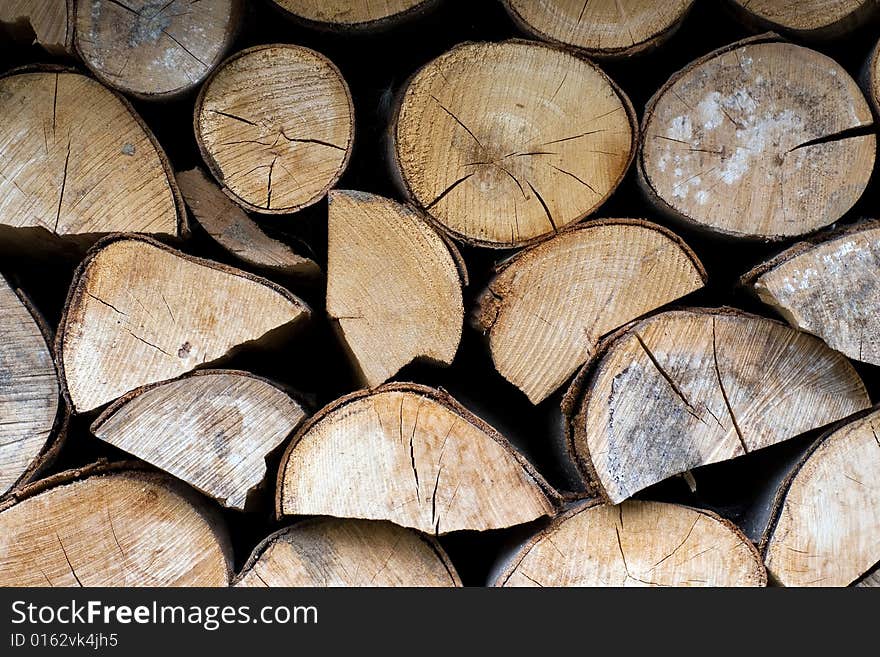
x=140 y=312
x=808 y=19
x=393 y=285
x=275 y=124
x=116 y=529
x=603 y=28
x=359 y=15
x=413 y=456
x=495 y=142
x=212 y=429
x=154 y=49
x=46 y=23
x=636 y=544
x=328 y=552
x=688 y=388
x=547 y=308
x=760 y=139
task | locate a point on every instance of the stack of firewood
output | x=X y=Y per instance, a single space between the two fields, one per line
x=532 y=333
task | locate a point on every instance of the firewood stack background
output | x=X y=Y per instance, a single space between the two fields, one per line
x=508 y=292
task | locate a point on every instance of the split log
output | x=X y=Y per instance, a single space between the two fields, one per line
x=64 y=174
x=31 y=412
x=759 y=139
x=825 y=524
x=46 y=23
x=102 y=526
x=495 y=141
x=140 y=312
x=547 y=307
x=635 y=544
x=275 y=125
x=233 y=230
x=212 y=429
x=354 y=15
x=414 y=456
x=332 y=552
x=687 y=388
x=155 y=49
x=829 y=287
x=807 y=19
x=603 y=28
x=393 y=285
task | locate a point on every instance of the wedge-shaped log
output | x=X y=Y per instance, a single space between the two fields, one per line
x=47 y=23
x=109 y=527
x=411 y=455
x=213 y=429
x=155 y=49
x=691 y=387
x=334 y=552
x=829 y=288
x=233 y=230
x=807 y=19
x=548 y=307
x=759 y=139
x=275 y=125
x=495 y=141
x=65 y=173
x=31 y=412
x=140 y=312
x=601 y=28
x=354 y=15
x=393 y=285
x=825 y=529
x=635 y=544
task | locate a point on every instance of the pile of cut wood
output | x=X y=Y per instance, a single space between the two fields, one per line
x=424 y=293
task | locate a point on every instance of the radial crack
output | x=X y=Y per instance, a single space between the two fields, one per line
x=739 y=434
x=67 y=559
x=666 y=376
x=447 y=190
x=63 y=186
x=840 y=135
x=543 y=205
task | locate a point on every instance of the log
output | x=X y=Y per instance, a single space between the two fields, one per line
x=411 y=455
x=603 y=29
x=212 y=429
x=825 y=524
x=106 y=526
x=354 y=15
x=690 y=387
x=547 y=307
x=760 y=139
x=237 y=233
x=140 y=312
x=331 y=552
x=870 y=78
x=807 y=19
x=635 y=544
x=275 y=125
x=65 y=175
x=394 y=285
x=495 y=142
x=46 y=23
x=828 y=287
x=32 y=417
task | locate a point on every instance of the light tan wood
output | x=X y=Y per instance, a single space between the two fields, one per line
x=826 y=530
x=329 y=552
x=496 y=142
x=547 y=308
x=636 y=544
x=117 y=529
x=759 y=139
x=212 y=429
x=809 y=19
x=691 y=387
x=601 y=28
x=48 y=23
x=232 y=229
x=64 y=173
x=154 y=49
x=352 y=14
x=414 y=456
x=29 y=392
x=139 y=313
x=275 y=125
x=393 y=285
x=829 y=288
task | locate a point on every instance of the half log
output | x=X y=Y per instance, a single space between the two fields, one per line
x=46 y=23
